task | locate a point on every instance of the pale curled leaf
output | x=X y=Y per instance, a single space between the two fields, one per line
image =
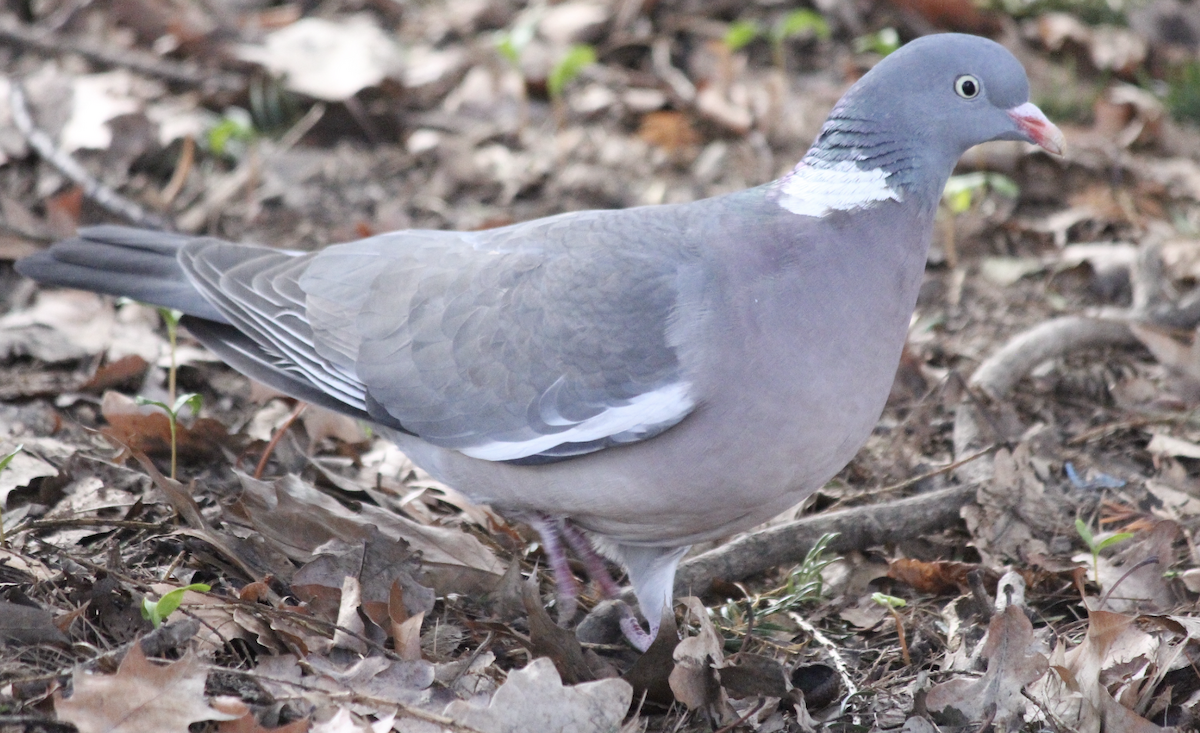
x=142 y=697
x=694 y=679
x=329 y=59
x=1013 y=662
x=534 y=699
x=297 y=518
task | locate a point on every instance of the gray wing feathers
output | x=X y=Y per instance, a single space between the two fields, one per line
x=536 y=341
x=255 y=289
x=548 y=338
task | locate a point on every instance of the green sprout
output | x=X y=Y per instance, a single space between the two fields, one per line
x=794 y=24
x=1095 y=545
x=157 y=611
x=3 y=465
x=888 y=602
x=891 y=603
x=882 y=42
x=171 y=318
x=575 y=60
x=189 y=400
x=740 y=33
x=511 y=44
x=231 y=135
x=1183 y=95
x=804 y=583
x=960 y=191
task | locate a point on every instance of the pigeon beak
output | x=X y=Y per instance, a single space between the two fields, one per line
x=1040 y=131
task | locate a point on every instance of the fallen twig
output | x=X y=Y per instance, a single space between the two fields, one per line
x=857 y=528
x=48 y=42
x=999 y=374
x=69 y=167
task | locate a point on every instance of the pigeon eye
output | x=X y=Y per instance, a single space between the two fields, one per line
x=967 y=86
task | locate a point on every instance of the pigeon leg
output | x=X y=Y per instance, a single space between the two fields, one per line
x=551 y=532
x=597 y=571
x=592 y=561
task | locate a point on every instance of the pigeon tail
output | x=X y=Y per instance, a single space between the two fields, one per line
x=122 y=261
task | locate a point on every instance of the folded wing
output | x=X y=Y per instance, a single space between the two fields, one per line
x=528 y=344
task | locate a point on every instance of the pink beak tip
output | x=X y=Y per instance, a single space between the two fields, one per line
x=1044 y=133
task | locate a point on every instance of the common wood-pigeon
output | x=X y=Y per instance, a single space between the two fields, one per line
x=654 y=376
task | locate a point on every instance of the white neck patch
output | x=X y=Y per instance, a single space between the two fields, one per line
x=839 y=186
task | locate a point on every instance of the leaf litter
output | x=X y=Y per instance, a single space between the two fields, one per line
x=350 y=592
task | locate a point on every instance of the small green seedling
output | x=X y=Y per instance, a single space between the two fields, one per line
x=804 y=583
x=157 y=611
x=190 y=400
x=1183 y=93
x=891 y=603
x=3 y=465
x=793 y=25
x=1096 y=546
x=511 y=43
x=171 y=318
x=960 y=191
x=882 y=42
x=740 y=33
x=575 y=60
x=231 y=136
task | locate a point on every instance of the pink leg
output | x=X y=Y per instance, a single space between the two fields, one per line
x=598 y=572
x=596 y=569
x=550 y=530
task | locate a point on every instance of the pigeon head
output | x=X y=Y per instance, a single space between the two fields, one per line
x=906 y=122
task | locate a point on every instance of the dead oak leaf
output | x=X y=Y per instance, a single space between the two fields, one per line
x=535 y=699
x=695 y=680
x=141 y=697
x=249 y=724
x=1113 y=648
x=1012 y=664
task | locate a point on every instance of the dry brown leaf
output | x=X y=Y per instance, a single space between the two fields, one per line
x=297 y=518
x=27 y=626
x=329 y=59
x=249 y=724
x=1133 y=578
x=697 y=658
x=377 y=562
x=351 y=627
x=936 y=578
x=1181 y=358
x=23 y=468
x=142 y=697
x=535 y=699
x=344 y=721
x=321 y=423
x=1015 y=511
x=116 y=373
x=964 y=16
x=650 y=674
x=397 y=682
x=407 y=635
x=147 y=429
x=548 y=640
x=1013 y=663
x=1077 y=692
x=668 y=129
